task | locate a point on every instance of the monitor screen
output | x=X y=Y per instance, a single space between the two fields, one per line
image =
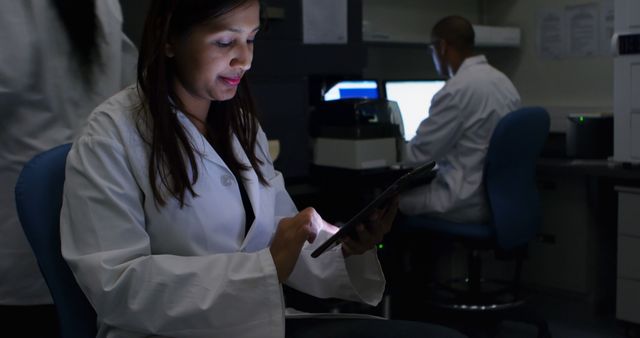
x=367 y=89
x=414 y=99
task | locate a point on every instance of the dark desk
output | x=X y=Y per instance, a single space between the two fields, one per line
x=338 y=193
x=596 y=168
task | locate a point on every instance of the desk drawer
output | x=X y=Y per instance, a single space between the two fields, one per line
x=628 y=253
x=628 y=300
x=629 y=213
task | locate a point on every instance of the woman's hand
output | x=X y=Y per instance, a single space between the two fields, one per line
x=371 y=234
x=289 y=238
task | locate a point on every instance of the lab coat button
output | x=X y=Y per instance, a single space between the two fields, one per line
x=226 y=180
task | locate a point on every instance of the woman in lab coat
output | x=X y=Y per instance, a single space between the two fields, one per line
x=58 y=60
x=174 y=221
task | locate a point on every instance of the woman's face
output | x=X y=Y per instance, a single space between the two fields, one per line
x=212 y=58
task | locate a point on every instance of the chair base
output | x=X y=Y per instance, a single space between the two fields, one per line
x=491 y=295
x=483 y=310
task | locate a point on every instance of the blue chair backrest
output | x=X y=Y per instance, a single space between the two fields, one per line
x=510 y=175
x=39 y=200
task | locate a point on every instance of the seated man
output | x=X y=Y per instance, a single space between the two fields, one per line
x=457 y=132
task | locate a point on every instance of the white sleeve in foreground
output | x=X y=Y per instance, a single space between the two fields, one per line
x=357 y=278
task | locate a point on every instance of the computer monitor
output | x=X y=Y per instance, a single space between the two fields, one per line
x=360 y=89
x=414 y=99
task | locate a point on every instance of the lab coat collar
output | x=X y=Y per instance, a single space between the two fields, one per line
x=472 y=61
x=249 y=177
x=251 y=185
x=200 y=143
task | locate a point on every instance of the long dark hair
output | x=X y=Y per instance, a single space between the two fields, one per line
x=81 y=24
x=170 y=145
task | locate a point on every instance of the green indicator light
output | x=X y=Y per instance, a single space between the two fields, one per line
x=581 y=119
x=380 y=246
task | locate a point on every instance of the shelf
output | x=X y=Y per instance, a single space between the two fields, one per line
x=486 y=36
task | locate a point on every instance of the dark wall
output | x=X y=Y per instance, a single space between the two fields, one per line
x=134 y=12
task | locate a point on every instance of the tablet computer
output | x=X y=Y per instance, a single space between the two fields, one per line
x=416 y=177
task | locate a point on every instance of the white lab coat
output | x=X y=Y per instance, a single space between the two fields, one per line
x=186 y=272
x=456 y=135
x=43 y=101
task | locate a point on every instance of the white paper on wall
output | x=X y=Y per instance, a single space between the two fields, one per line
x=324 y=21
x=583 y=34
x=551 y=34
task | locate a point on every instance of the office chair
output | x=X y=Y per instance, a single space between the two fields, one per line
x=509 y=177
x=38 y=200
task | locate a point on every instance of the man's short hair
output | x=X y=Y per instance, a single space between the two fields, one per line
x=456 y=31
